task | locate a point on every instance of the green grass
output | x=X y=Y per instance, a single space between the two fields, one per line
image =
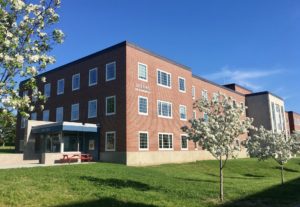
x=7 y=149
x=247 y=183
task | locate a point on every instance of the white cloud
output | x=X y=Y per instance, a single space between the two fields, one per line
x=244 y=77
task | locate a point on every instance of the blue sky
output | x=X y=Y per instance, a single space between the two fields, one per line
x=254 y=43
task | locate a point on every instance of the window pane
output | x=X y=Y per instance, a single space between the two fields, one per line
x=60 y=86
x=92 y=109
x=182 y=110
x=143 y=105
x=93 y=76
x=76 y=82
x=143 y=140
x=181 y=84
x=142 y=72
x=46 y=115
x=110 y=105
x=110 y=71
x=110 y=141
x=59 y=114
x=184 y=142
x=75 y=112
x=164 y=78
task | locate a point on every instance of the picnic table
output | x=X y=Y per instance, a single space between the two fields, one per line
x=70 y=158
x=86 y=157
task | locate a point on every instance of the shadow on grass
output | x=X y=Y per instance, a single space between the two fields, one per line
x=196 y=180
x=242 y=177
x=277 y=196
x=286 y=169
x=117 y=183
x=106 y=202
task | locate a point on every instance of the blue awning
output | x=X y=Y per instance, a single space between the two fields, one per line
x=64 y=126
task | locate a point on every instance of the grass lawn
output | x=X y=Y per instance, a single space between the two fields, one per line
x=247 y=183
x=7 y=149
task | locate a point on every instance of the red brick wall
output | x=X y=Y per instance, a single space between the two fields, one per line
x=294 y=119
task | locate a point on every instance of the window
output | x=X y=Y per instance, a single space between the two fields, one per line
x=35 y=95
x=282 y=117
x=110 y=141
x=181 y=84
x=59 y=114
x=194 y=114
x=92 y=109
x=142 y=72
x=110 y=105
x=143 y=105
x=33 y=116
x=274 y=118
x=47 y=90
x=46 y=115
x=204 y=95
x=111 y=71
x=93 y=76
x=60 y=86
x=164 y=109
x=193 y=92
x=184 y=142
x=215 y=97
x=143 y=140
x=234 y=104
x=74 y=112
x=182 y=111
x=163 y=79
x=23 y=122
x=75 y=82
x=205 y=117
x=25 y=93
x=165 y=141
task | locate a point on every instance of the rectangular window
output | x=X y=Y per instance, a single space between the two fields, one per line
x=164 y=109
x=182 y=111
x=165 y=141
x=163 y=78
x=46 y=115
x=110 y=105
x=143 y=140
x=204 y=95
x=47 y=90
x=23 y=122
x=193 y=92
x=194 y=114
x=282 y=117
x=215 y=97
x=110 y=71
x=59 y=114
x=110 y=141
x=93 y=76
x=92 y=109
x=33 y=116
x=75 y=112
x=184 y=142
x=76 y=82
x=274 y=117
x=181 y=84
x=35 y=94
x=143 y=105
x=25 y=93
x=60 y=86
x=205 y=117
x=142 y=72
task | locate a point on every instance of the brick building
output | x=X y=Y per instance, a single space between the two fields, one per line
x=138 y=99
x=294 y=121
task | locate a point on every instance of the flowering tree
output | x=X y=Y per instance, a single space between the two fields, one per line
x=266 y=144
x=26 y=38
x=218 y=131
x=7 y=128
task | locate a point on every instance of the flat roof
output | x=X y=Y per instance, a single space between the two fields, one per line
x=264 y=93
x=235 y=84
x=64 y=126
x=218 y=85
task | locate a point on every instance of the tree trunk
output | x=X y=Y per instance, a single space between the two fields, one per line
x=282 y=178
x=221 y=181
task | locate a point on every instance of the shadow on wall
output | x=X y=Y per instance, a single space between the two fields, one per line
x=277 y=196
x=106 y=202
x=117 y=183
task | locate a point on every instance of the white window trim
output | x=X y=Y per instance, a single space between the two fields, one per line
x=161 y=116
x=113 y=113
x=194 y=95
x=93 y=69
x=114 y=149
x=47 y=84
x=162 y=84
x=62 y=113
x=143 y=149
x=57 y=88
x=142 y=113
x=194 y=112
x=187 y=145
x=185 y=113
x=139 y=63
x=94 y=116
x=114 y=78
x=74 y=89
x=182 y=91
x=202 y=94
x=72 y=118
x=44 y=111
x=166 y=149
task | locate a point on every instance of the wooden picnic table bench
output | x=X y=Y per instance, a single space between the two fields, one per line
x=69 y=158
x=86 y=157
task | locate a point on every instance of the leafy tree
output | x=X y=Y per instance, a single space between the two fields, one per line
x=265 y=144
x=219 y=129
x=26 y=38
x=7 y=128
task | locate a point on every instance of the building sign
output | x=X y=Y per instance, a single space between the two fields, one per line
x=142 y=87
